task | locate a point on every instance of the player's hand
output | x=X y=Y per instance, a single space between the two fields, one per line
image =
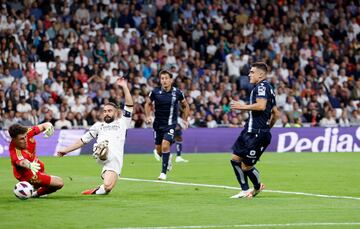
x=34 y=167
x=235 y=105
x=61 y=153
x=148 y=120
x=49 y=131
x=121 y=81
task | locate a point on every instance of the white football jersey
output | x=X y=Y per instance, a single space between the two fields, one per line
x=114 y=132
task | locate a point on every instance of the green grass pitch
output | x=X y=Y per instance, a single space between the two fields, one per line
x=148 y=204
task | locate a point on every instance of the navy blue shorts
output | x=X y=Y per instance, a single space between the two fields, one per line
x=250 y=146
x=164 y=133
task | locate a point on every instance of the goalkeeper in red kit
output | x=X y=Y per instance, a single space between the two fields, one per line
x=26 y=165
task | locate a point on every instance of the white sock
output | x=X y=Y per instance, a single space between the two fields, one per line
x=101 y=190
x=34 y=194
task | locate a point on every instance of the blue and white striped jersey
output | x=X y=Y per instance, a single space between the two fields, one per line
x=259 y=120
x=166 y=106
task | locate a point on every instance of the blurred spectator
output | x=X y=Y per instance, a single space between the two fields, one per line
x=328 y=120
x=25 y=120
x=62 y=123
x=23 y=106
x=80 y=122
x=52 y=53
x=210 y=122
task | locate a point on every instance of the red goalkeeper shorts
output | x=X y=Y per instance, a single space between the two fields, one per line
x=38 y=180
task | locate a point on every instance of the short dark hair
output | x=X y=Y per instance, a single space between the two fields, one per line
x=16 y=129
x=261 y=65
x=166 y=72
x=112 y=104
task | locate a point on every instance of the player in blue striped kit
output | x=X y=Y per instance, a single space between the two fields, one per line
x=256 y=135
x=166 y=101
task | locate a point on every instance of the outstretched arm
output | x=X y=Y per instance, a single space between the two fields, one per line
x=44 y=126
x=259 y=105
x=78 y=144
x=86 y=138
x=122 y=82
x=47 y=128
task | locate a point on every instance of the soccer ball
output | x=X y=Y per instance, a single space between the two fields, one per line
x=23 y=190
x=100 y=150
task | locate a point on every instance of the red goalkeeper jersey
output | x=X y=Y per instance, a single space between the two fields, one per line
x=20 y=154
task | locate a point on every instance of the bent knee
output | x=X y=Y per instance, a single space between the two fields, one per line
x=165 y=149
x=235 y=158
x=57 y=182
x=60 y=184
x=108 y=186
x=245 y=167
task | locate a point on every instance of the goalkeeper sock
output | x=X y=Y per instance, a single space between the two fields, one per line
x=254 y=176
x=240 y=176
x=44 y=190
x=165 y=161
x=101 y=190
x=178 y=148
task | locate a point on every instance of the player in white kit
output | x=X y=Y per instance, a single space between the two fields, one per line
x=113 y=132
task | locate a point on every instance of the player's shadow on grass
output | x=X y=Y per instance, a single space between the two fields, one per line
x=76 y=197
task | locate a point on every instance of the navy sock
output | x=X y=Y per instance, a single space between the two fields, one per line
x=254 y=176
x=178 y=148
x=240 y=175
x=165 y=161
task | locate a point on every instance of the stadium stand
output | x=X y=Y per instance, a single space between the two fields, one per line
x=61 y=58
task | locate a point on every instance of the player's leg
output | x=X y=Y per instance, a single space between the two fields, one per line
x=110 y=179
x=178 y=142
x=168 y=139
x=239 y=173
x=179 y=145
x=262 y=141
x=157 y=152
x=254 y=176
x=239 y=153
x=48 y=184
x=110 y=172
x=158 y=137
x=165 y=147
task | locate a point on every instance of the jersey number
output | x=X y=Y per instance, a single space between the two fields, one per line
x=252 y=152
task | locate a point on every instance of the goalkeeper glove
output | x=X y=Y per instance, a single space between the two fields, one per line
x=49 y=131
x=34 y=167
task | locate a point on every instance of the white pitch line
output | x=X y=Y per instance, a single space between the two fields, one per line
x=247 y=225
x=236 y=188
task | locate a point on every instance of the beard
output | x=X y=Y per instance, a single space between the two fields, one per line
x=109 y=119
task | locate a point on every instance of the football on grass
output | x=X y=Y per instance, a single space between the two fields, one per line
x=23 y=190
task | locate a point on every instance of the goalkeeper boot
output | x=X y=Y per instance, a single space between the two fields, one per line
x=162 y=176
x=257 y=191
x=243 y=194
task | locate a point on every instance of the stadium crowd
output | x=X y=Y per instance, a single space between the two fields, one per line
x=59 y=60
